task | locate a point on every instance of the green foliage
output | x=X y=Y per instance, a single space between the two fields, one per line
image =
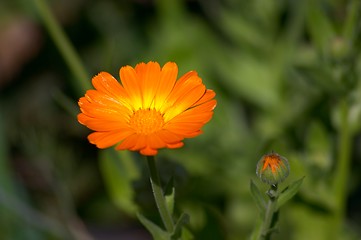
x=288 y=193
x=287 y=76
x=169 y=195
x=270 y=210
x=157 y=232
x=179 y=233
x=119 y=173
x=258 y=198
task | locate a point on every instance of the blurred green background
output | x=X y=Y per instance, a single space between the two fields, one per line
x=287 y=76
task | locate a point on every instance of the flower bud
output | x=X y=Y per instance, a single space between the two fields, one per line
x=272 y=168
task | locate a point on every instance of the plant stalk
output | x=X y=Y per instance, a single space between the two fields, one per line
x=159 y=196
x=271 y=215
x=342 y=171
x=64 y=45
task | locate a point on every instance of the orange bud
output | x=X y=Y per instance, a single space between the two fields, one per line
x=272 y=168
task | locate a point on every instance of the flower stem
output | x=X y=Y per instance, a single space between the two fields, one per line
x=158 y=195
x=65 y=47
x=342 y=170
x=271 y=215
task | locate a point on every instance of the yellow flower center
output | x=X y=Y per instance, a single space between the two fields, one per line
x=146 y=121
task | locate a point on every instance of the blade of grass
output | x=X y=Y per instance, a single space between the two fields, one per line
x=342 y=172
x=64 y=45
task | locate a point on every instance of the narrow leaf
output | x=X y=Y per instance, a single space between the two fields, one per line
x=183 y=219
x=320 y=26
x=289 y=192
x=257 y=196
x=351 y=21
x=156 y=232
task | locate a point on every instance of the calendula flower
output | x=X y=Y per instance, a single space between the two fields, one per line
x=150 y=109
x=272 y=168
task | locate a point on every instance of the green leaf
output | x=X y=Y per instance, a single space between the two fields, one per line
x=249 y=67
x=289 y=192
x=319 y=147
x=169 y=194
x=320 y=26
x=156 y=232
x=118 y=172
x=241 y=30
x=257 y=196
x=183 y=219
x=351 y=20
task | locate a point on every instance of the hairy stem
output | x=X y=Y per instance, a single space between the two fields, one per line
x=271 y=215
x=158 y=195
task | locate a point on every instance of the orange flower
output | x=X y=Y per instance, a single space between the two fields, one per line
x=149 y=110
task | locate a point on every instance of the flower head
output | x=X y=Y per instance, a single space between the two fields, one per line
x=272 y=168
x=150 y=109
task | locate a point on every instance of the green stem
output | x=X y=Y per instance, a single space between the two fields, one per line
x=158 y=195
x=271 y=215
x=65 y=47
x=342 y=170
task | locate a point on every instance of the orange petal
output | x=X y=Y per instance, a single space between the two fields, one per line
x=128 y=143
x=154 y=141
x=140 y=143
x=106 y=83
x=104 y=100
x=169 y=137
x=210 y=94
x=175 y=145
x=202 y=117
x=185 y=78
x=103 y=125
x=168 y=78
x=181 y=90
x=111 y=111
x=148 y=151
x=149 y=78
x=130 y=81
x=184 y=102
x=201 y=113
x=107 y=139
x=184 y=129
